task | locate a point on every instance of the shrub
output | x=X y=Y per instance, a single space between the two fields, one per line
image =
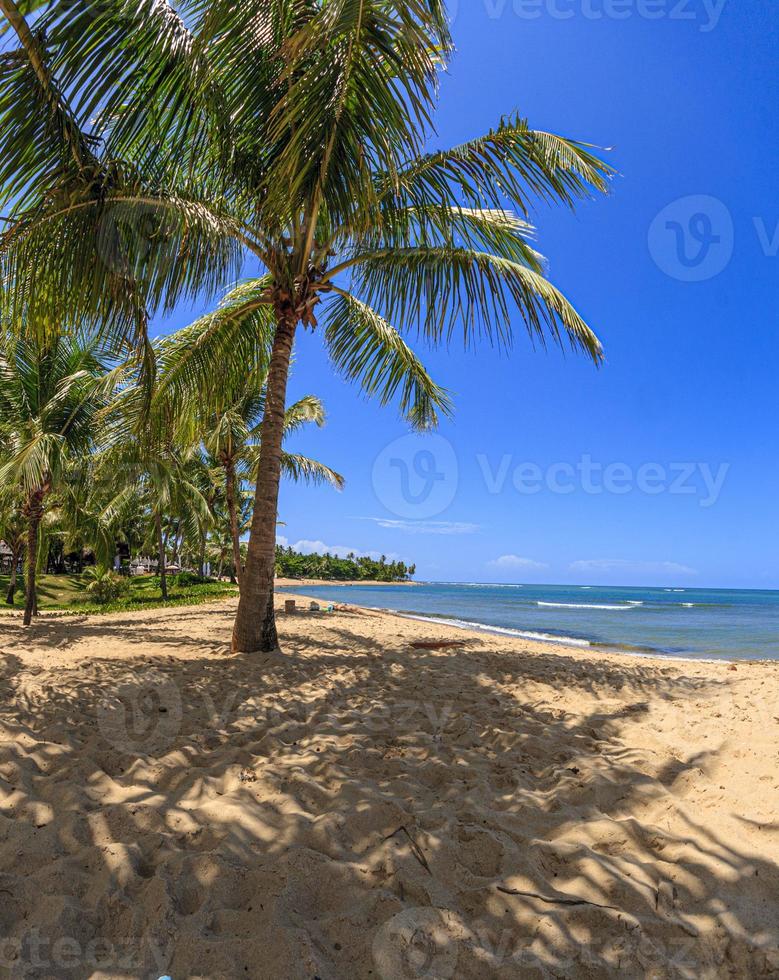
x=184 y=579
x=105 y=585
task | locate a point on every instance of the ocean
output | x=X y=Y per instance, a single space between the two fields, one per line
x=716 y=624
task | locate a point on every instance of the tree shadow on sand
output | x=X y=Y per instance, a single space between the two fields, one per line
x=351 y=810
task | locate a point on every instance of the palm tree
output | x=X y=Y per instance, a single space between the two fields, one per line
x=292 y=132
x=164 y=473
x=50 y=394
x=243 y=445
x=84 y=519
x=228 y=418
x=184 y=454
x=13 y=533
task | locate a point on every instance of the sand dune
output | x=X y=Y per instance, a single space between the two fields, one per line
x=366 y=808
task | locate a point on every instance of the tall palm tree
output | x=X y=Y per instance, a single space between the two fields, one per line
x=183 y=453
x=234 y=440
x=228 y=418
x=156 y=149
x=50 y=395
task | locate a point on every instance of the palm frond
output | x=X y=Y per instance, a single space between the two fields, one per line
x=231 y=343
x=442 y=224
x=360 y=80
x=302 y=412
x=40 y=136
x=112 y=261
x=510 y=163
x=439 y=289
x=302 y=469
x=367 y=349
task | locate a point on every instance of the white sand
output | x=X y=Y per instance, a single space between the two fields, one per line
x=363 y=809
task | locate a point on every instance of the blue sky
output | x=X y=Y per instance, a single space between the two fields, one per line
x=661 y=467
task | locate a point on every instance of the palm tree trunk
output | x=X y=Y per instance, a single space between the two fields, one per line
x=255 y=622
x=177 y=542
x=202 y=557
x=161 y=560
x=232 y=511
x=9 y=598
x=33 y=512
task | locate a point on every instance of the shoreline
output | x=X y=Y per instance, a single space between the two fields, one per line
x=530 y=636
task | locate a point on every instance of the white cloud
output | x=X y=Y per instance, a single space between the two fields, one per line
x=626 y=567
x=515 y=561
x=424 y=527
x=306 y=547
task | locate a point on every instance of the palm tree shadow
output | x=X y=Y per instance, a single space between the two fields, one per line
x=352 y=810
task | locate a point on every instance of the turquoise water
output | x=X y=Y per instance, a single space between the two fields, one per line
x=698 y=623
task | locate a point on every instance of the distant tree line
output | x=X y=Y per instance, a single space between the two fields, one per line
x=293 y=564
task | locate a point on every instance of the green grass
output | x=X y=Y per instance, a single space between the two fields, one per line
x=68 y=593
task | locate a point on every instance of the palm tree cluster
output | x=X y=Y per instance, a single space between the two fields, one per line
x=151 y=155
x=93 y=458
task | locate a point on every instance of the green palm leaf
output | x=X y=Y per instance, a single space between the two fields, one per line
x=511 y=162
x=367 y=349
x=302 y=469
x=438 y=289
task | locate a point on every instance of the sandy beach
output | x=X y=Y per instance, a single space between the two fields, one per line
x=388 y=799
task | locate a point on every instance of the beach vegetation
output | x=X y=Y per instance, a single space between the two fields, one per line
x=102 y=473
x=352 y=568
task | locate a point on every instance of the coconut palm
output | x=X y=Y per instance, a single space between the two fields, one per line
x=233 y=439
x=228 y=418
x=153 y=464
x=13 y=533
x=184 y=454
x=291 y=132
x=84 y=521
x=50 y=395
